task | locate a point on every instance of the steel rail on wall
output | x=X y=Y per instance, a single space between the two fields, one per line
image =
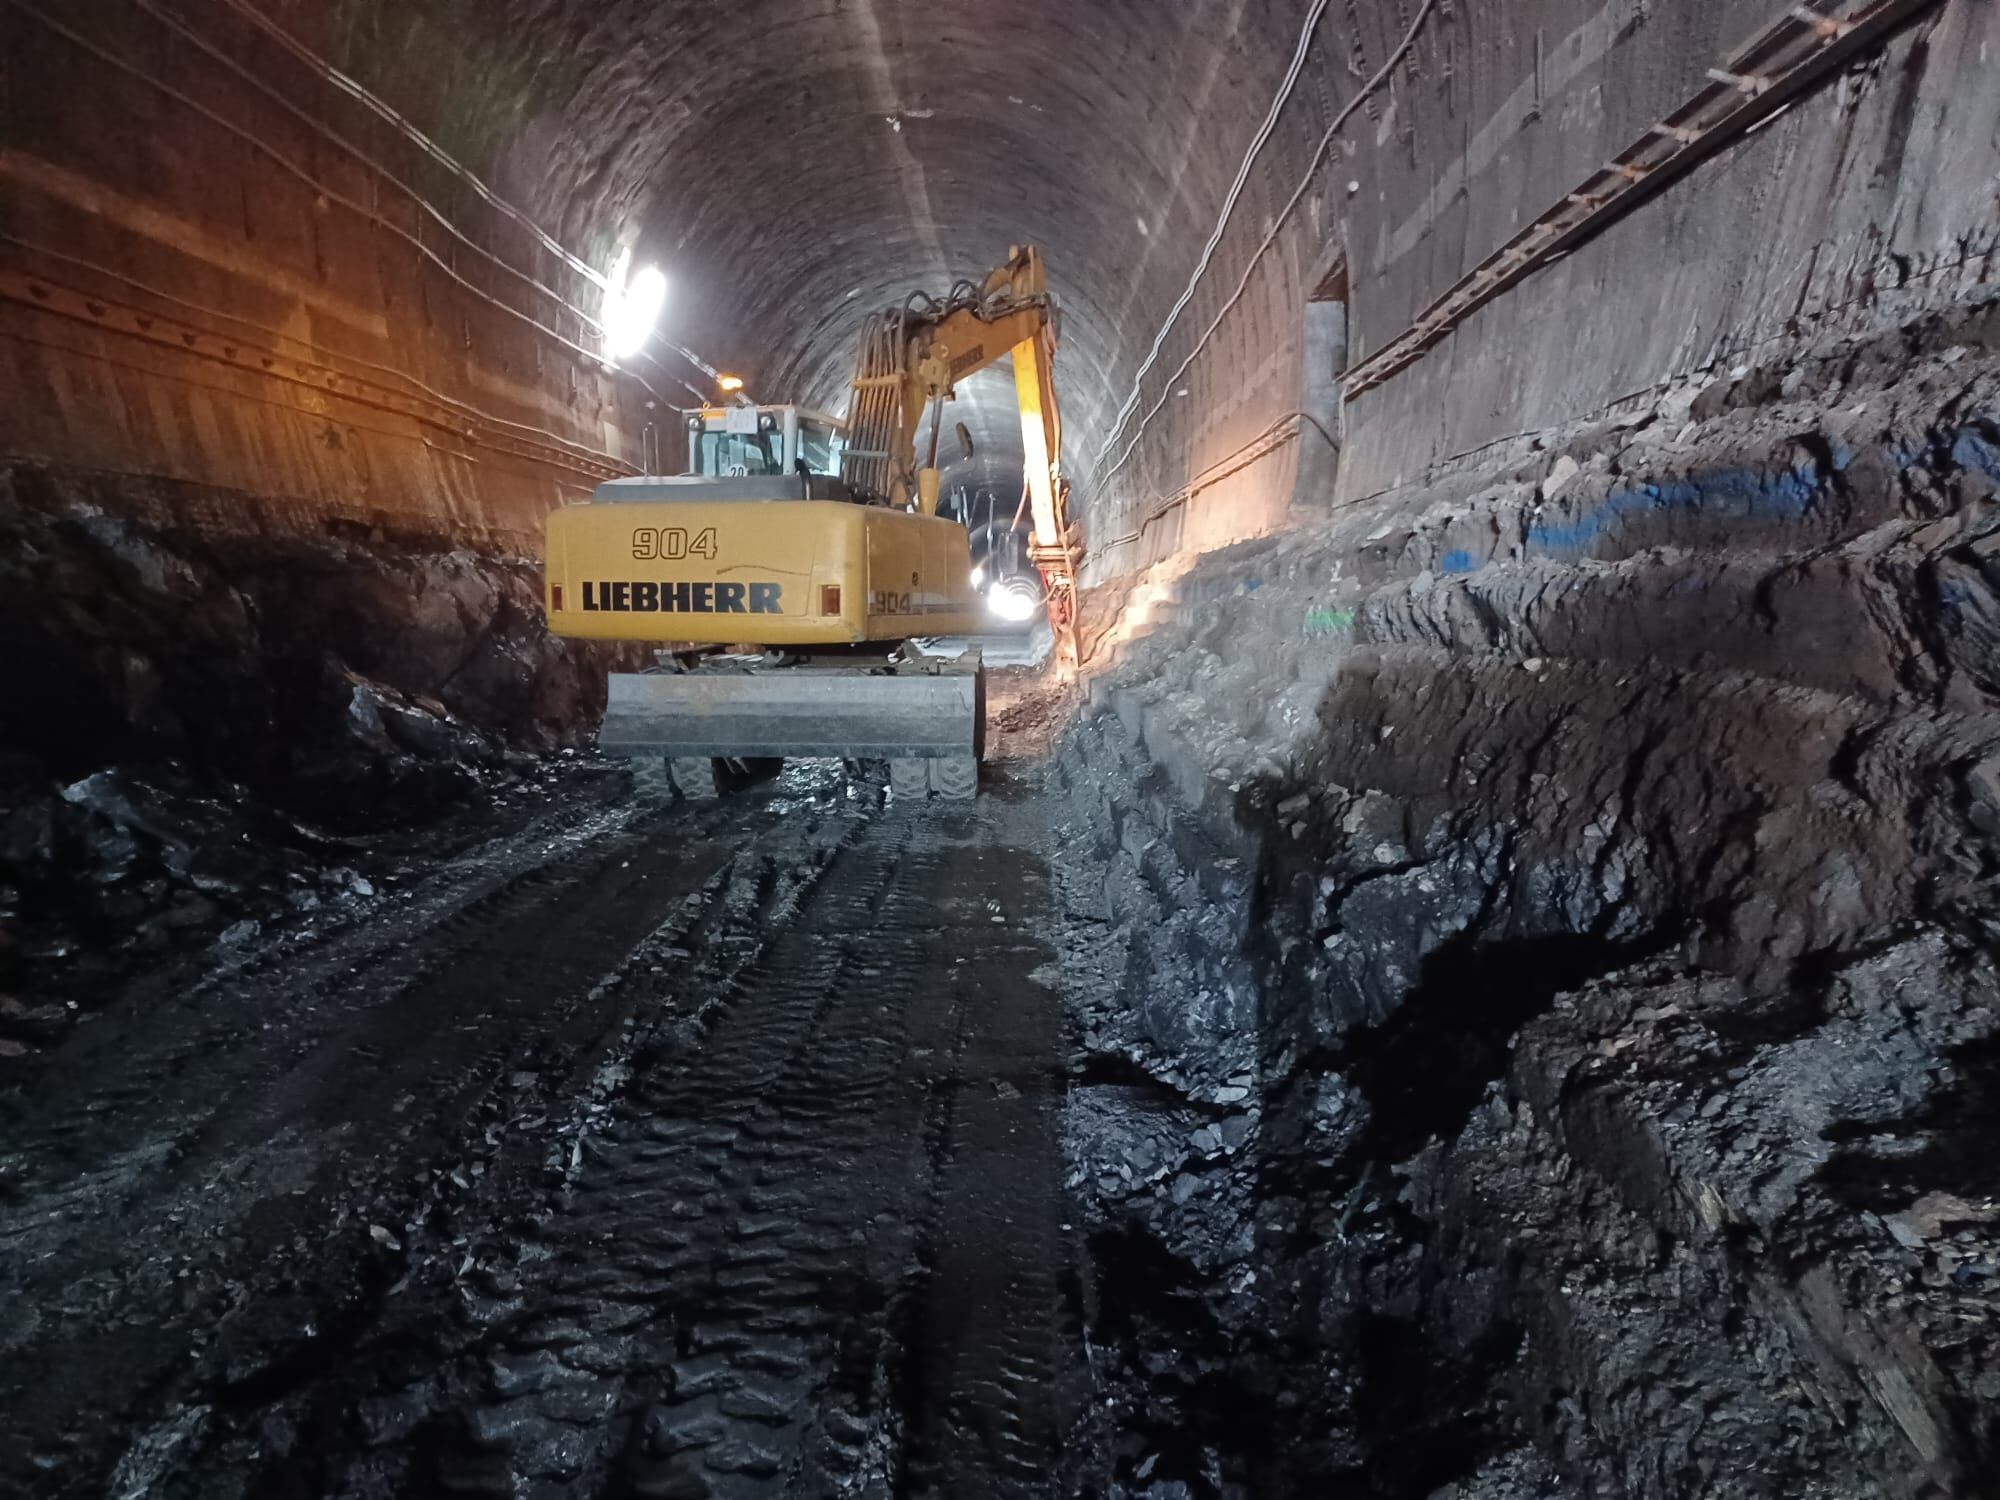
x=1780 y=63
x=268 y=361
x=371 y=213
x=376 y=105
x=1776 y=66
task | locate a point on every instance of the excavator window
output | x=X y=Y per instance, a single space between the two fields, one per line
x=734 y=453
x=819 y=448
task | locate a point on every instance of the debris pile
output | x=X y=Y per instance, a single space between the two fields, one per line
x=208 y=733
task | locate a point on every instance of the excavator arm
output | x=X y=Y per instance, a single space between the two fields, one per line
x=911 y=361
x=1053 y=545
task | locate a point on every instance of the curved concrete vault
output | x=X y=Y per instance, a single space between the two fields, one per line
x=795 y=166
x=1196 y=174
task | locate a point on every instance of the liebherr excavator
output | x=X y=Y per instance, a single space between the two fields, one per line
x=828 y=579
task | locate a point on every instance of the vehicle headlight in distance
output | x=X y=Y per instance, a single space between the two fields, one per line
x=1014 y=601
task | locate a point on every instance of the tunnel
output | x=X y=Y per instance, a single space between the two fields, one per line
x=1443 y=947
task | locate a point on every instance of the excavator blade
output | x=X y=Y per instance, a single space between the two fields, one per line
x=934 y=709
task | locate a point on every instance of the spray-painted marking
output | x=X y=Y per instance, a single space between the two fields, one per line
x=1740 y=494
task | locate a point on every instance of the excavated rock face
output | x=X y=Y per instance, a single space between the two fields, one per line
x=216 y=713
x=1558 y=999
x=306 y=671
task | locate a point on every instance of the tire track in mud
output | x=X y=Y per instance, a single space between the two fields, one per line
x=122 y=1078
x=993 y=1379
x=724 y=1226
x=807 y=1239
x=205 y=1207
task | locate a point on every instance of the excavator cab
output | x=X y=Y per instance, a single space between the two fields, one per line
x=746 y=441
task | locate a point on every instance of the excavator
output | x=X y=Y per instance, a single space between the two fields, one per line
x=786 y=600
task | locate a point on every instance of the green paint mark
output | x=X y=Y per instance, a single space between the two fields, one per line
x=1328 y=621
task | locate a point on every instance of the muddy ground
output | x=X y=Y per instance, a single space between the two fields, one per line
x=641 y=1149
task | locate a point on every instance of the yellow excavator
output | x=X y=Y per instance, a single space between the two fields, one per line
x=788 y=574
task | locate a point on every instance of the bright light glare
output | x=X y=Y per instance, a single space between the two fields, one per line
x=631 y=310
x=1013 y=602
x=731 y=382
x=978 y=576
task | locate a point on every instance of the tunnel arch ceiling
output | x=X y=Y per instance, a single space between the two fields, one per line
x=795 y=163
x=794 y=166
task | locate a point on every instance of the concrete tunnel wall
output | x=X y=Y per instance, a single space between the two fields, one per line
x=225 y=272
x=233 y=274
x=1867 y=199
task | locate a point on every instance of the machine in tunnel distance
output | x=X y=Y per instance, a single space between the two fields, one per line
x=828 y=580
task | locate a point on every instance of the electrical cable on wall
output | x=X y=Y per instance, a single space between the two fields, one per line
x=1340 y=120
x=373 y=102
x=1222 y=223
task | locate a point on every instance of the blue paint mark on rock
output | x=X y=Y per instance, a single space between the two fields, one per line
x=1744 y=494
x=1974 y=450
